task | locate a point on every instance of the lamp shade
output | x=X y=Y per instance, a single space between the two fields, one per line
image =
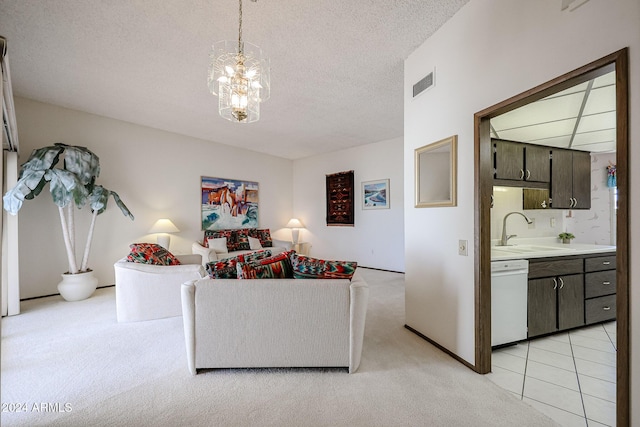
x=164 y=225
x=294 y=223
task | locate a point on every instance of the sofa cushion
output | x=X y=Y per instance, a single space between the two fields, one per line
x=151 y=253
x=264 y=235
x=274 y=267
x=339 y=269
x=305 y=267
x=254 y=244
x=226 y=268
x=242 y=240
x=215 y=234
x=218 y=244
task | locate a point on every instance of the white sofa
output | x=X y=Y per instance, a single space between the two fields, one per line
x=209 y=254
x=146 y=292
x=270 y=323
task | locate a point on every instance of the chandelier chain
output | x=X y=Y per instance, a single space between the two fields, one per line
x=240 y=29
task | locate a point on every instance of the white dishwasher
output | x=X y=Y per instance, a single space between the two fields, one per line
x=508 y=301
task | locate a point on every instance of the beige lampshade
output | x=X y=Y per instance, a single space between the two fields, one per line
x=164 y=225
x=294 y=223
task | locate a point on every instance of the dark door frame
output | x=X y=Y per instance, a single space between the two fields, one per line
x=482 y=216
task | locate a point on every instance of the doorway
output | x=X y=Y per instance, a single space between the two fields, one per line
x=483 y=189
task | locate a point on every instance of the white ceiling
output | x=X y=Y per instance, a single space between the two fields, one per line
x=582 y=117
x=336 y=65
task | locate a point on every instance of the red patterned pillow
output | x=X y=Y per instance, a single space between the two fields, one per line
x=264 y=235
x=339 y=269
x=226 y=268
x=151 y=253
x=242 y=241
x=274 y=267
x=216 y=234
x=313 y=268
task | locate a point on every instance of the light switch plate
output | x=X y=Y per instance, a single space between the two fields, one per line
x=462 y=247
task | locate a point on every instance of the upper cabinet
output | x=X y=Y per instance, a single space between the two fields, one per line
x=515 y=161
x=570 y=179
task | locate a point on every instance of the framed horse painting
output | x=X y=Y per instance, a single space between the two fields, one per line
x=229 y=203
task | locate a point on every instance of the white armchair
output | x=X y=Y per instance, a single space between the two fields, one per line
x=145 y=291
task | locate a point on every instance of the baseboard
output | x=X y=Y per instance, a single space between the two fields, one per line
x=455 y=356
x=53 y=295
x=381 y=269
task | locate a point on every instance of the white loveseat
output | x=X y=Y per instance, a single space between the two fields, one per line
x=270 y=323
x=146 y=291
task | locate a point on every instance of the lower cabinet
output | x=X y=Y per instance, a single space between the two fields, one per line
x=569 y=292
x=555 y=303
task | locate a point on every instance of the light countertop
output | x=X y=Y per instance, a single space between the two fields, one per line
x=543 y=247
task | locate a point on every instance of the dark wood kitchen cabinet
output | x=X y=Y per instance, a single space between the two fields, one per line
x=515 y=161
x=600 y=288
x=570 y=179
x=555 y=295
x=555 y=304
x=569 y=292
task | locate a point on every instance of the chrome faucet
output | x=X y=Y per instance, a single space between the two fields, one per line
x=505 y=238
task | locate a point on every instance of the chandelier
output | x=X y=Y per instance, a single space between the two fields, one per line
x=239 y=76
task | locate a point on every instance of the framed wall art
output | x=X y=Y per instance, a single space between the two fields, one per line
x=340 y=209
x=435 y=173
x=228 y=203
x=375 y=194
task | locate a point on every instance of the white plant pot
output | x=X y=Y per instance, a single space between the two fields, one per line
x=76 y=287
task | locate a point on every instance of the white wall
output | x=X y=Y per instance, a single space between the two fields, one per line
x=490 y=51
x=156 y=173
x=376 y=240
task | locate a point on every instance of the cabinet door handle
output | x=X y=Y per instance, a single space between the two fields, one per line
x=606 y=308
x=570 y=202
x=528 y=174
x=561 y=283
x=575 y=202
x=521 y=174
x=606 y=262
x=555 y=283
x=606 y=283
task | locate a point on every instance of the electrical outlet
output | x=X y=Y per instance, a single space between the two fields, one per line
x=462 y=247
x=552 y=222
x=533 y=223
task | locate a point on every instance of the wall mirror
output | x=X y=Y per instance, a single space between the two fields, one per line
x=435 y=173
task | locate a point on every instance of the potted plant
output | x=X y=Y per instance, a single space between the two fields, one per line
x=566 y=237
x=72 y=185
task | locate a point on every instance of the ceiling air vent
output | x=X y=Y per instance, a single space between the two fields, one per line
x=424 y=84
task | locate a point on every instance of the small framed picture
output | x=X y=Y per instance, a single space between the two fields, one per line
x=375 y=194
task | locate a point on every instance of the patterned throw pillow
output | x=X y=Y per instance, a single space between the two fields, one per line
x=313 y=268
x=242 y=241
x=339 y=269
x=306 y=267
x=151 y=253
x=216 y=234
x=264 y=235
x=275 y=267
x=226 y=268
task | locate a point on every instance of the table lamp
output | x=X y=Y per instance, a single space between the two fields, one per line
x=295 y=225
x=162 y=227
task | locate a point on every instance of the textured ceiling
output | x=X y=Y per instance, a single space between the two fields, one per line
x=336 y=65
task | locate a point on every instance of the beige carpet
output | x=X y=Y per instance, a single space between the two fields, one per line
x=72 y=364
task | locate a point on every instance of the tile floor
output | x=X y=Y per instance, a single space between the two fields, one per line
x=571 y=376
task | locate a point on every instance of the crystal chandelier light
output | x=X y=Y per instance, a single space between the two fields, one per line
x=239 y=76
